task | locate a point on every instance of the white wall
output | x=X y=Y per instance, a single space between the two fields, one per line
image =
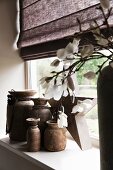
x=11 y=65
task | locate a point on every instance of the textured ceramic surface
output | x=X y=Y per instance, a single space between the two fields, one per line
x=24 y=93
x=42 y=111
x=18 y=110
x=33 y=135
x=54 y=137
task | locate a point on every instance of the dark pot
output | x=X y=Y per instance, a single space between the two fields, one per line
x=18 y=110
x=105 y=116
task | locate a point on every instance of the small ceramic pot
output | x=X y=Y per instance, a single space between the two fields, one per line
x=33 y=135
x=54 y=137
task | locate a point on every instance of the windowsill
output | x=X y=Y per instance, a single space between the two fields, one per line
x=95 y=141
x=72 y=157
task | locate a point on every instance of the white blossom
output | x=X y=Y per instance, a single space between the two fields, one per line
x=62 y=120
x=82 y=107
x=77 y=108
x=76 y=45
x=65 y=94
x=69 y=50
x=61 y=53
x=57 y=90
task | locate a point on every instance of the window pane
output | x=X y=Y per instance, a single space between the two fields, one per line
x=88 y=88
x=92 y=121
x=41 y=68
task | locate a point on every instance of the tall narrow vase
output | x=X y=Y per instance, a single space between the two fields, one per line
x=41 y=110
x=33 y=135
x=105 y=115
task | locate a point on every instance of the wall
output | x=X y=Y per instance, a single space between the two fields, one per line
x=11 y=65
x=12 y=159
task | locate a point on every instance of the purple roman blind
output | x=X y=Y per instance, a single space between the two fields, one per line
x=46 y=25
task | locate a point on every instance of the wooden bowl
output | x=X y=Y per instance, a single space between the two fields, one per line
x=24 y=93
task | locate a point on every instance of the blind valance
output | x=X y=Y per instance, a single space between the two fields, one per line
x=46 y=25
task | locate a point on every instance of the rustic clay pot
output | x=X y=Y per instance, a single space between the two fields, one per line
x=42 y=111
x=54 y=137
x=18 y=110
x=33 y=135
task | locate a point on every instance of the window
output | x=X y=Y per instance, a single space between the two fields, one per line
x=88 y=88
x=38 y=69
x=41 y=68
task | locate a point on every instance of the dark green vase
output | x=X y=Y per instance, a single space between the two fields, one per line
x=105 y=115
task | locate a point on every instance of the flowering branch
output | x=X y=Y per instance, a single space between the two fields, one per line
x=73 y=57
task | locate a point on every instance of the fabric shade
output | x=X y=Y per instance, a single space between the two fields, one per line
x=46 y=25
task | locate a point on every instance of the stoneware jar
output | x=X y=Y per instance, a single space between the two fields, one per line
x=33 y=135
x=54 y=137
x=18 y=110
x=41 y=110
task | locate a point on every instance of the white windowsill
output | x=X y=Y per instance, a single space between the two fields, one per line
x=71 y=158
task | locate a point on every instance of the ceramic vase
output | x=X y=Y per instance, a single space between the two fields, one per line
x=18 y=110
x=41 y=110
x=33 y=135
x=54 y=137
x=105 y=116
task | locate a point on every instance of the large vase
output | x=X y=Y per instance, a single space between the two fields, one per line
x=18 y=110
x=105 y=116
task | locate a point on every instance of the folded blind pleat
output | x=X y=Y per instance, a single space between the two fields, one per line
x=27 y=3
x=44 y=11
x=44 y=50
x=45 y=22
